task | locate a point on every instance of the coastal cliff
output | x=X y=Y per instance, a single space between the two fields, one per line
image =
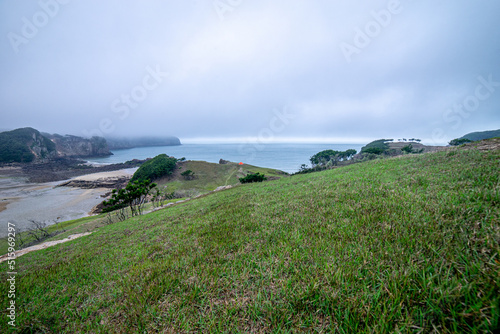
x=27 y=145
x=77 y=147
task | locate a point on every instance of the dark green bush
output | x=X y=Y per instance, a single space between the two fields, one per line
x=250 y=178
x=458 y=142
x=407 y=149
x=374 y=150
x=153 y=169
x=188 y=175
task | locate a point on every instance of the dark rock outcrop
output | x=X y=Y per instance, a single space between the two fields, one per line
x=116 y=182
x=65 y=168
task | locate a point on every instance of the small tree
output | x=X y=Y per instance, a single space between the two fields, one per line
x=134 y=196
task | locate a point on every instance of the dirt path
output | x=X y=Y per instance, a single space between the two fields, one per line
x=43 y=246
x=229 y=177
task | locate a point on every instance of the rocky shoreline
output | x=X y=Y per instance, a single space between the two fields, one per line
x=60 y=169
x=110 y=180
x=110 y=183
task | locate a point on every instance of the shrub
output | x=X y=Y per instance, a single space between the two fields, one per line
x=188 y=175
x=374 y=150
x=407 y=149
x=250 y=178
x=153 y=169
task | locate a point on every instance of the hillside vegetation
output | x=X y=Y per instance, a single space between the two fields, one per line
x=208 y=176
x=389 y=147
x=475 y=136
x=24 y=145
x=409 y=244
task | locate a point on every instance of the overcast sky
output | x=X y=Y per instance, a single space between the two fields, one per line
x=303 y=70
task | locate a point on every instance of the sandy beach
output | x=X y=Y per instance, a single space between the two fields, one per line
x=107 y=175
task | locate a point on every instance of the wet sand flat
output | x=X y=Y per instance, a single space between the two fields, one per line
x=6 y=201
x=21 y=202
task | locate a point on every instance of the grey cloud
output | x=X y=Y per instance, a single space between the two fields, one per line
x=227 y=76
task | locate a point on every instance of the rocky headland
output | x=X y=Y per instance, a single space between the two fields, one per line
x=28 y=145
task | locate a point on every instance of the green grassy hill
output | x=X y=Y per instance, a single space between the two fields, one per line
x=409 y=244
x=208 y=176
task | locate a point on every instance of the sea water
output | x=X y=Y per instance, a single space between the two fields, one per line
x=285 y=157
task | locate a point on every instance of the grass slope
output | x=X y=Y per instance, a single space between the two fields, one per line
x=409 y=244
x=64 y=229
x=209 y=176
